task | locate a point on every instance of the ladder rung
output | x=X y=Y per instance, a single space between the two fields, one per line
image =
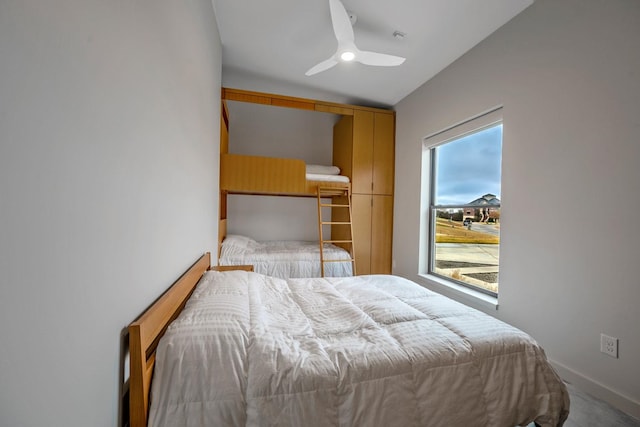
x=332 y=193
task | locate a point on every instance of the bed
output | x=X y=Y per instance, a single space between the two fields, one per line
x=250 y=349
x=285 y=258
x=255 y=175
x=242 y=174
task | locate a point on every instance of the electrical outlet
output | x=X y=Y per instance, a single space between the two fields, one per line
x=609 y=345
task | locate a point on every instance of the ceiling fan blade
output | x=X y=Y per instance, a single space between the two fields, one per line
x=379 y=59
x=341 y=22
x=324 y=65
x=346 y=44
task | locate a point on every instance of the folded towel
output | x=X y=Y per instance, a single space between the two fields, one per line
x=323 y=170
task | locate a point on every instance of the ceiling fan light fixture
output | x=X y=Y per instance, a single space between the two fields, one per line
x=347 y=56
x=347 y=50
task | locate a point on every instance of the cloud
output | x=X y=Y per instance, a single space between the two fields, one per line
x=469 y=167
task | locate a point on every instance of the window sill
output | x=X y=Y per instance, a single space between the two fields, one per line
x=460 y=293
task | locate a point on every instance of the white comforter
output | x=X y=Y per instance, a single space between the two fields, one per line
x=366 y=351
x=285 y=258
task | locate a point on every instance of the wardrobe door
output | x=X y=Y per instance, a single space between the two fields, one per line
x=362 y=155
x=383 y=153
x=381 y=234
x=369 y=155
x=361 y=215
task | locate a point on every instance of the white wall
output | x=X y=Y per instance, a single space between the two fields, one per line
x=269 y=131
x=567 y=74
x=109 y=136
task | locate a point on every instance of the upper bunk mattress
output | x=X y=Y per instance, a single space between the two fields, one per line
x=285 y=258
x=327 y=178
x=322 y=173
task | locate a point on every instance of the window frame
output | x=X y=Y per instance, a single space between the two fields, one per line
x=457 y=131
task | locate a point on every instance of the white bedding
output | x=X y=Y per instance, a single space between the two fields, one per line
x=326 y=178
x=251 y=350
x=323 y=170
x=285 y=258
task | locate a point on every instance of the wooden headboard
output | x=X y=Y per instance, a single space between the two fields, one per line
x=145 y=332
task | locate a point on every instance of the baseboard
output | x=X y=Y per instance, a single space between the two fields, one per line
x=598 y=390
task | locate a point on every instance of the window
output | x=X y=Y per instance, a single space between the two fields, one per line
x=463 y=193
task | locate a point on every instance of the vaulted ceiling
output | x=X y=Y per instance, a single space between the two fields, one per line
x=280 y=40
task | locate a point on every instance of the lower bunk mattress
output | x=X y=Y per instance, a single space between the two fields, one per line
x=253 y=350
x=285 y=258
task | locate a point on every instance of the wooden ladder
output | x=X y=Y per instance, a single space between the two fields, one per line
x=342 y=236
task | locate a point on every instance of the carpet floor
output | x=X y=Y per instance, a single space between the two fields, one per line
x=587 y=411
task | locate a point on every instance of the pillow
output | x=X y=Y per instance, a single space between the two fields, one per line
x=323 y=170
x=238 y=241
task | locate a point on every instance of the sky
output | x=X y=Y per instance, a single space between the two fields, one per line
x=469 y=167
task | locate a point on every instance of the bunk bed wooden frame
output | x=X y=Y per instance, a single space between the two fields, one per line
x=270 y=176
x=363 y=148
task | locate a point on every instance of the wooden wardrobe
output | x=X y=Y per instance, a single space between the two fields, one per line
x=364 y=150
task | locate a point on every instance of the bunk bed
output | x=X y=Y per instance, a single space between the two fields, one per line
x=272 y=176
x=242 y=174
x=363 y=146
x=248 y=349
x=256 y=175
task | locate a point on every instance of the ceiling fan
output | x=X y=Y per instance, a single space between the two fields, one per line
x=347 y=50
